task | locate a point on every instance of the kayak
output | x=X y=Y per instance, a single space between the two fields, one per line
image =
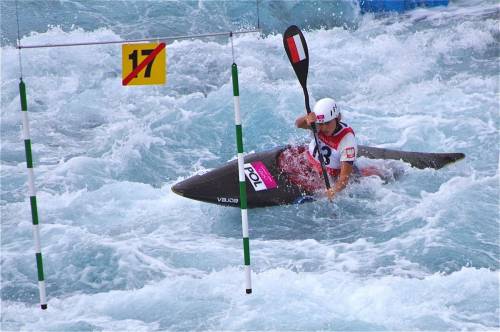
x=283 y=176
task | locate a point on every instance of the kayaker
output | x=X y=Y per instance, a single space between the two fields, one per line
x=337 y=142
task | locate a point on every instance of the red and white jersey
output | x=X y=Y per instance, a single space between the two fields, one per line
x=341 y=146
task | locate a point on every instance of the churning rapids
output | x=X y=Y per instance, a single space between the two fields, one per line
x=122 y=252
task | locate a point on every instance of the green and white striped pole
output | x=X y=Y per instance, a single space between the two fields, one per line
x=32 y=193
x=241 y=177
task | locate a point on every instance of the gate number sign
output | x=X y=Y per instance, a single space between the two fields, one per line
x=144 y=64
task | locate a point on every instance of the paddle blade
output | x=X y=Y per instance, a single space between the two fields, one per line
x=296 y=49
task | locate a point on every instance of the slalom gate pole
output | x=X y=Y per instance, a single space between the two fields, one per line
x=241 y=177
x=32 y=193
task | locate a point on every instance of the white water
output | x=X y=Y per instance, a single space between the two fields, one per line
x=122 y=252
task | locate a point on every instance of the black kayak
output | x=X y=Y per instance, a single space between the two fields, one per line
x=274 y=177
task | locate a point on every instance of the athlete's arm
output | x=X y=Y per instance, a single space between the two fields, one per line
x=348 y=149
x=343 y=179
x=305 y=121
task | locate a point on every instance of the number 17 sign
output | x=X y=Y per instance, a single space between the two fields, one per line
x=144 y=64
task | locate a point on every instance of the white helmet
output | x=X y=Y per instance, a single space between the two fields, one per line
x=326 y=110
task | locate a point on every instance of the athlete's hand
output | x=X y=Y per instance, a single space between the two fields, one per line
x=310 y=118
x=330 y=193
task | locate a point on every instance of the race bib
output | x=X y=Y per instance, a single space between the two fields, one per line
x=331 y=156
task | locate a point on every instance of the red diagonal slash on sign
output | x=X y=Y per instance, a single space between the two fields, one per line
x=143 y=64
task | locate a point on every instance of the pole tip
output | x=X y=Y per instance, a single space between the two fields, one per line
x=43 y=306
x=249 y=291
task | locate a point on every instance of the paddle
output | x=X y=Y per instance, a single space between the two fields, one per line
x=296 y=49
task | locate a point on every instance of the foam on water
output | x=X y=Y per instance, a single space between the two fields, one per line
x=330 y=300
x=122 y=252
